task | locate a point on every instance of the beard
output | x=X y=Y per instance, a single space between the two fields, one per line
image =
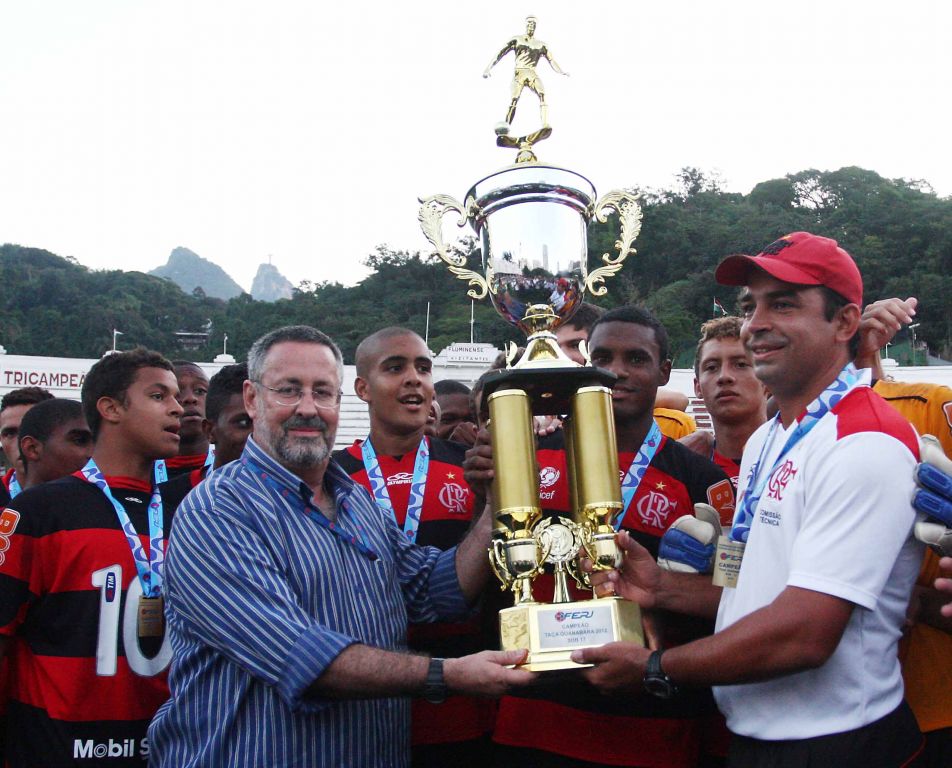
x=297 y=451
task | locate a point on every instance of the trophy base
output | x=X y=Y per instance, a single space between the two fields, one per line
x=551 y=631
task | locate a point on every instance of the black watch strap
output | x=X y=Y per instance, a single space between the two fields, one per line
x=656 y=682
x=434 y=689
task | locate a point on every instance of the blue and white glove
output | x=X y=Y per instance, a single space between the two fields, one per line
x=934 y=496
x=688 y=546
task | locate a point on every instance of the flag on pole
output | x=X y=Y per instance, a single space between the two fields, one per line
x=718 y=309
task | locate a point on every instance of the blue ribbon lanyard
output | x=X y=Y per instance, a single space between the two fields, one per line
x=14 y=487
x=636 y=472
x=378 y=486
x=295 y=500
x=148 y=566
x=847 y=379
x=162 y=472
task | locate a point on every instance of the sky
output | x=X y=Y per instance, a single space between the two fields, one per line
x=306 y=131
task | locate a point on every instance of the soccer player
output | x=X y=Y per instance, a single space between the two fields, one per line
x=54 y=441
x=194 y=450
x=733 y=395
x=455 y=412
x=13 y=408
x=928 y=633
x=804 y=659
x=227 y=425
x=662 y=482
x=419 y=482
x=228 y=422
x=81 y=580
x=670 y=406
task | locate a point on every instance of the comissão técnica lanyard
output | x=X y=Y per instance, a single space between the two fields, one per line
x=378 y=486
x=636 y=471
x=847 y=379
x=148 y=565
x=296 y=501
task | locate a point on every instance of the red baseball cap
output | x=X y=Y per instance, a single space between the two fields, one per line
x=799 y=258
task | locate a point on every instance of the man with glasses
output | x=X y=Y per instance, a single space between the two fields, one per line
x=289 y=593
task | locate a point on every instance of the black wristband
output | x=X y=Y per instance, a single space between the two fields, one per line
x=434 y=689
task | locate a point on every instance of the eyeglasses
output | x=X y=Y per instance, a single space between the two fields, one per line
x=291 y=394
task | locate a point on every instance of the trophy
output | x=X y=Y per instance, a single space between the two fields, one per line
x=531 y=219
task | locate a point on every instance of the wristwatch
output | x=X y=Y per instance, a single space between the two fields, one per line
x=656 y=681
x=434 y=689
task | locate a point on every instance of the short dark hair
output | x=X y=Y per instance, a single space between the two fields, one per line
x=229 y=381
x=585 y=316
x=727 y=327
x=40 y=421
x=112 y=376
x=24 y=396
x=833 y=302
x=305 y=334
x=451 y=387
x=176 y=364
x=637 y=316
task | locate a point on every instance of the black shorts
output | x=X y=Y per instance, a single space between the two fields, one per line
x=891 y=742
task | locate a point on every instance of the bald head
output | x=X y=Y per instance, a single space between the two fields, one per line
x=371 y=348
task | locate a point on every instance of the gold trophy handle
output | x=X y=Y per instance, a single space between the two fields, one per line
x=430 y=216
x=629 y=213
x=498 y=564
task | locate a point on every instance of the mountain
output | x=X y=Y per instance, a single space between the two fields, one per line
x=189 y=271
x=270 y=285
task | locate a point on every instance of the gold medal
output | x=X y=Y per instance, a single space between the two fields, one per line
x=727 y=562
x=151 y=616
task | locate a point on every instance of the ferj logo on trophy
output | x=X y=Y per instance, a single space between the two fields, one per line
x=537 y=208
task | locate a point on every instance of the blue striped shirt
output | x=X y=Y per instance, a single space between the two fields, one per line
x=260 y=599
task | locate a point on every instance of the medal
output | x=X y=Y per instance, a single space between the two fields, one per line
x=150 y=620
x=149 y=565
x=378 y=486
x=727 y=560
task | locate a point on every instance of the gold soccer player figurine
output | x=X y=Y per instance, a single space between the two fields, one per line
x=528 y=50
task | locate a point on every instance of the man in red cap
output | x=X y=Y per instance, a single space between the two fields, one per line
x=803 y=660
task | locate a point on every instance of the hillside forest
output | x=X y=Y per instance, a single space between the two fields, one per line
x=898 y=230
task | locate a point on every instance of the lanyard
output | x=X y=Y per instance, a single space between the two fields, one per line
x=847 y=379
x=378 y=486
x=295 y=500
x=13 y=488
x=162 y=472
x=636 y=472
x=149 y=566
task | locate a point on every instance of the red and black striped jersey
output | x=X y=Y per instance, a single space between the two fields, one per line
x=5 y=487
x=181 y=465
x=446 y=516
x=731 y=468
x=83 y=686
x=179 y=486
x=571 y=718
